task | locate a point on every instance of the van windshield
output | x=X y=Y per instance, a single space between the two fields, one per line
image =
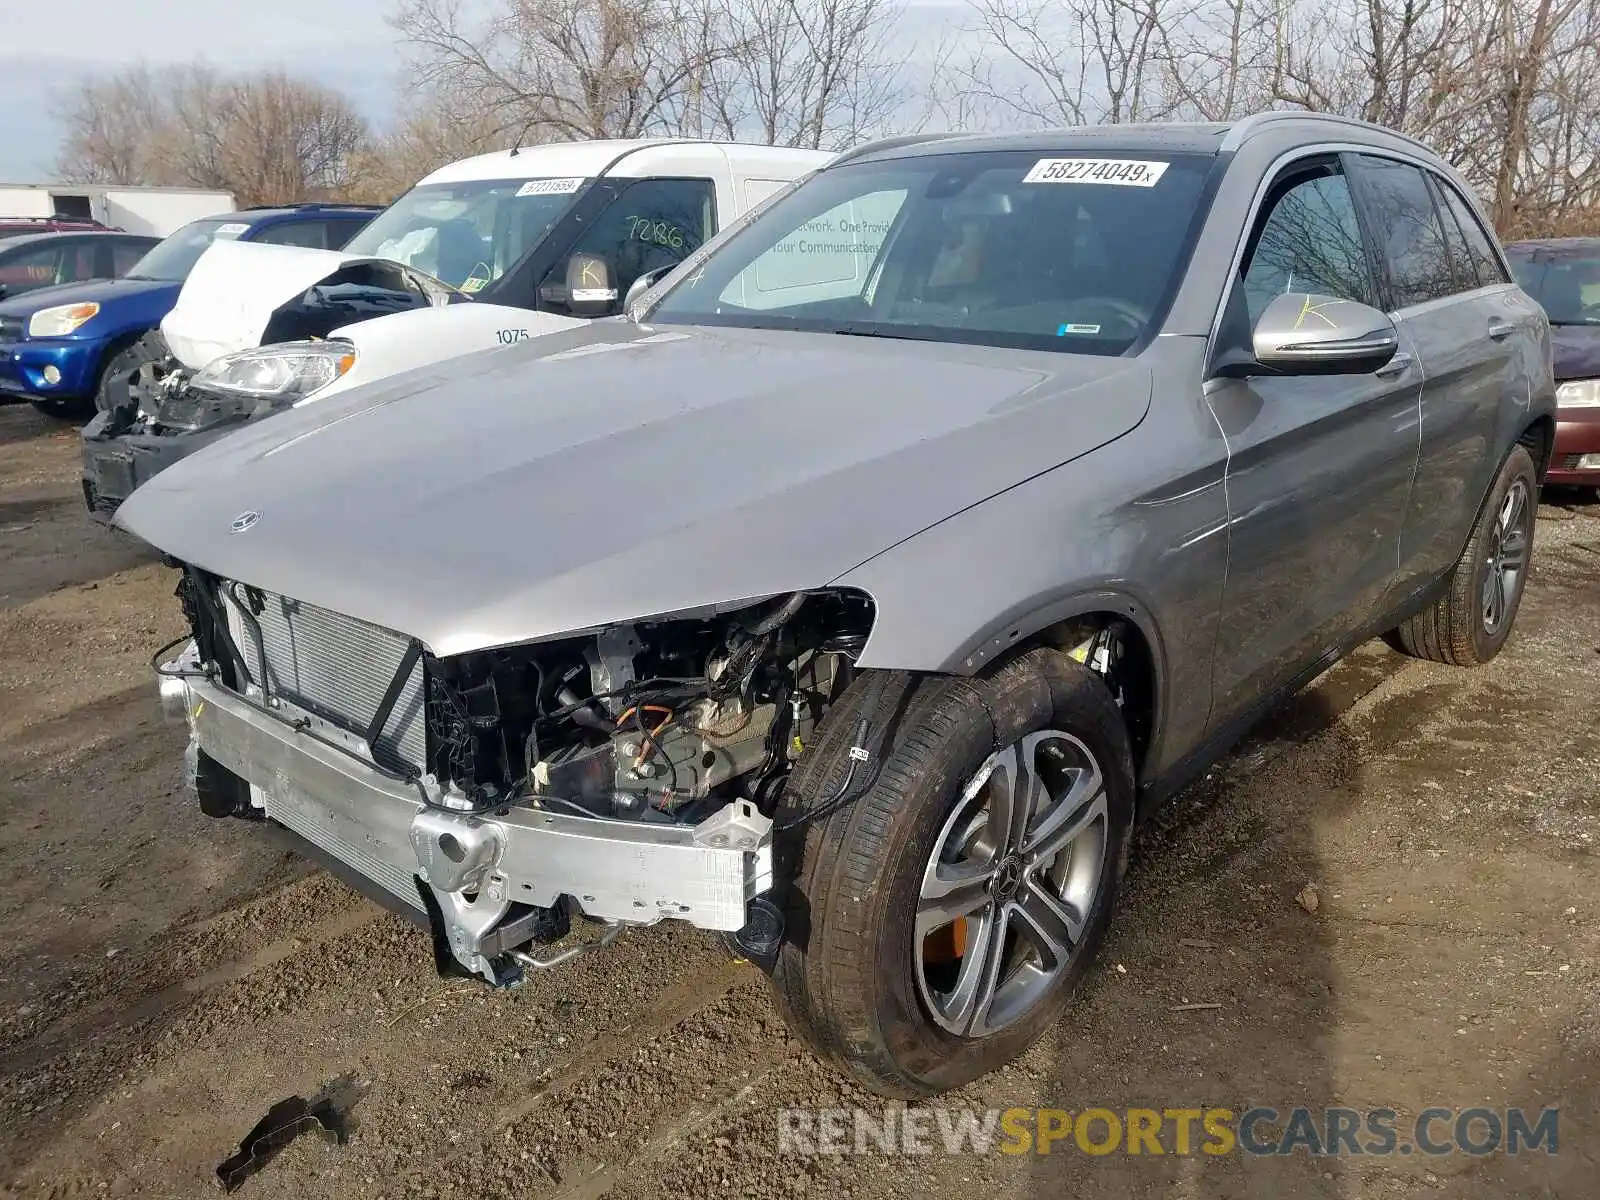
x=467 y=234
x=1035 y=250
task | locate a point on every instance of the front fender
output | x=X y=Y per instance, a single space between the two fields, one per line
x=403 y=341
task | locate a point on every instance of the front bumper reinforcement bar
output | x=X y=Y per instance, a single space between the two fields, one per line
x=482 y=869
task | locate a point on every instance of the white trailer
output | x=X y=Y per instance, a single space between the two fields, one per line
x=148 y=210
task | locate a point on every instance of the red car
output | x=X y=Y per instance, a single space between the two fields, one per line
x=11 y=227
x=1563 y=275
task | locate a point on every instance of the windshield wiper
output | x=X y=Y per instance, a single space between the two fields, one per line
x=872 y=331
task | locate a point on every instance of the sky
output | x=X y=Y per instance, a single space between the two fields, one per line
x=343 y=43
x=45 y=52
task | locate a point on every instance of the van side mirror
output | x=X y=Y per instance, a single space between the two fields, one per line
x=590 y=290
x=643 y=284
x=1305 y=333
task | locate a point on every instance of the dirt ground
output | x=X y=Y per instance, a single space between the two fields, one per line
x=165 y=979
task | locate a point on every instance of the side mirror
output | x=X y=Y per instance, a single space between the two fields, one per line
x=642 y=285
x=2 y=291
x=590 y=290
x=1304 y=333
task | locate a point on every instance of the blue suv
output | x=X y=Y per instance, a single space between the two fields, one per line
x=60 y=347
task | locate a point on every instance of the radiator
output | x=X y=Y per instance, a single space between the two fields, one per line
x=332 y=665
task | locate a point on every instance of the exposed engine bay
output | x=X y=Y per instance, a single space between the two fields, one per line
x=652 y=722
x=627 y=774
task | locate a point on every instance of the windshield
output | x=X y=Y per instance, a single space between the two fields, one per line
x=1013 y=248
x=467 y=234
x=175 y=257
x=1565 y=280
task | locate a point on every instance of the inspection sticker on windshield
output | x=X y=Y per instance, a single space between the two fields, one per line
x=549 y=187
x=1118 y=172
x=231 y=229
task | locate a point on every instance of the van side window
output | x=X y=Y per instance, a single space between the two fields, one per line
x=654 y=223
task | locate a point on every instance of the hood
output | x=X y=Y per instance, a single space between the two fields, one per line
x=614 y=472
x=1576 y=351
x=103 y=292
x=237 y=290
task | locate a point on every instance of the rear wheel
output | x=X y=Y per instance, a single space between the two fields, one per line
x=1472 y=620
x=942 y=921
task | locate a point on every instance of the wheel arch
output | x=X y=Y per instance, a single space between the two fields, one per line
x=1070 y=622
x=1539 y=436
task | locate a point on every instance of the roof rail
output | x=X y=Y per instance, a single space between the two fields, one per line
x=56 y=220
x=892 y=143
x=304 y=204
x=1243 y=129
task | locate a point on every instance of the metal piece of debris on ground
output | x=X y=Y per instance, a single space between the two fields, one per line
x=327 y=1112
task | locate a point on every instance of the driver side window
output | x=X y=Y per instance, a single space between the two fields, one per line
x=1309 y=241
x=654 y=223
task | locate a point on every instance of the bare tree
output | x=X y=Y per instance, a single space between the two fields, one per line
x=266 y=138
x=1501 y=88
x=812 y=73
x=796 y=72
x=554 y=69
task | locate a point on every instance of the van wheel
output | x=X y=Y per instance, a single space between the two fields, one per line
x=1469 y=624
x=942 y=920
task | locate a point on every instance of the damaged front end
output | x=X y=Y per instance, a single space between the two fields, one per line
x=627 y=775
x=168 y=408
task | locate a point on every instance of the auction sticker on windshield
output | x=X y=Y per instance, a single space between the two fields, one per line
x=549 y=187
x=1118 y=172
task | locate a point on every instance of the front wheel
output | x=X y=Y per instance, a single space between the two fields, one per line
x=943 y=920
x=1469 y=624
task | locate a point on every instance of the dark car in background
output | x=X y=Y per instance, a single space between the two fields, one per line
x=40 y=260
x=1563 y=275
x=63 y=347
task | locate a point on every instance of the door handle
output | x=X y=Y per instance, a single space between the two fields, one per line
x=1499 y=329
x=1398 y=365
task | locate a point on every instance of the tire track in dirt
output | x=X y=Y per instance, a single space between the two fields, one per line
x=114 y=1013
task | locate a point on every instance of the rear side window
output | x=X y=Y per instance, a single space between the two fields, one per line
x=124 y=255
x=312 y=234
x=340 y=232
x=37 y=266
x=1308 y=241
x=80 y=262
x=1410 y=234
x=1485 y=264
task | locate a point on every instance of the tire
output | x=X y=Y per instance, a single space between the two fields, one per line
x=853 y=978
x=63 y=410
x=111 y=388
x=1461 y=628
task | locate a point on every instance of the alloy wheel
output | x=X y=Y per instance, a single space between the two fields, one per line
x=1507 y=558
x=1007 y=892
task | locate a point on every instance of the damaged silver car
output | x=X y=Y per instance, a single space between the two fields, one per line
x=854 y=595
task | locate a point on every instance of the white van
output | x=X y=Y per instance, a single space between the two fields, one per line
x=500 y=229
x=482 y=253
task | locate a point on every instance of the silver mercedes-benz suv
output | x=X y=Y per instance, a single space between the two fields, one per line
x=856 y=593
